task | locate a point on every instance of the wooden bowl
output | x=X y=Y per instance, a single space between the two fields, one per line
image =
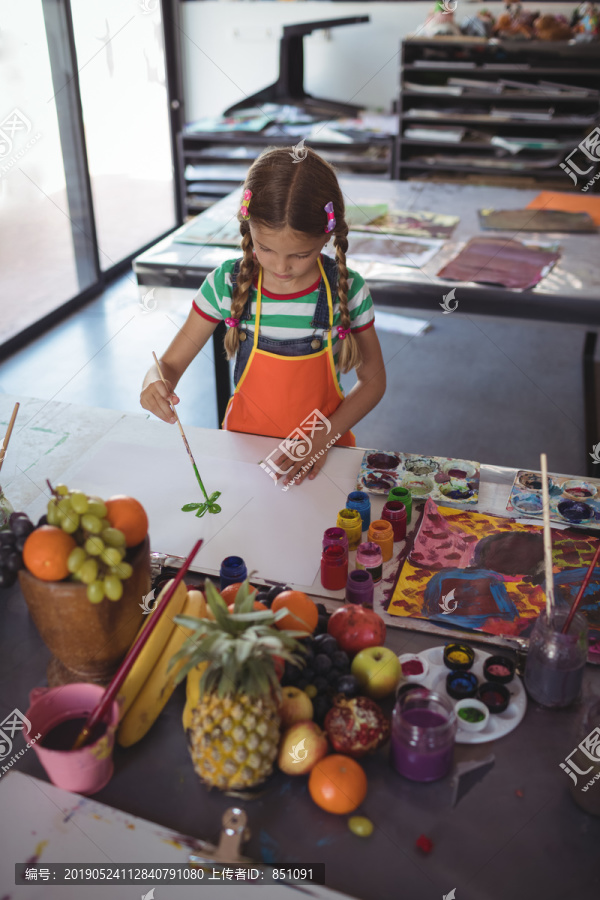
x=88 y=641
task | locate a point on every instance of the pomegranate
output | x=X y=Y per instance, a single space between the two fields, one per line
x=356 y=727
x=355 y=628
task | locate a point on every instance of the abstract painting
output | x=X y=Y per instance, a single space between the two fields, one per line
x=483 y=572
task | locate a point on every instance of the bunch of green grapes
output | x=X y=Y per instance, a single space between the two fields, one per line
x=99 y=558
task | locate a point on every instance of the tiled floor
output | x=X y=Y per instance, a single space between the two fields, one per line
x=494 y=390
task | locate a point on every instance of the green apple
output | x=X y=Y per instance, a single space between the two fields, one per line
x=296 y=706
x=377 y=670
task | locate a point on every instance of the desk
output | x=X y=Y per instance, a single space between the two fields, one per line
x=515 y=834
x=570 y=293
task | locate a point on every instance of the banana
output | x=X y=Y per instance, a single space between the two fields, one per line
x=152 y=649
x=192 y=693
x=160 y=683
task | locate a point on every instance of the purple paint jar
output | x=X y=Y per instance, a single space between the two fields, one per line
x=370 y=558
x=359 y=588
x=394 y=512
x=335 y=537
x=423 y=729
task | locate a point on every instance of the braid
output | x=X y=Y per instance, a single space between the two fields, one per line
x=240 y=295
x=349 y=354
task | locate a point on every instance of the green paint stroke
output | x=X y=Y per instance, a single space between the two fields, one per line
x=210 y=505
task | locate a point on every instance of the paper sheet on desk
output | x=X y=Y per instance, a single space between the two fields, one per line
x=44 y=824
x=278 y=533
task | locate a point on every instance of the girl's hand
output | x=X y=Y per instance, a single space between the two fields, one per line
x=309 y=466
x=156 y=399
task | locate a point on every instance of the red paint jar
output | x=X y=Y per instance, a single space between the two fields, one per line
x=394 y=512
x=334 y=568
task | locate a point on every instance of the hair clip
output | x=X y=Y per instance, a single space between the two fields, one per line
x=342 y=332
x=330 y=217
x=233 y=323
x=244 y=207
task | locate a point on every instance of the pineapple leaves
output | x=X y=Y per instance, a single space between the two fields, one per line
x=216 y=604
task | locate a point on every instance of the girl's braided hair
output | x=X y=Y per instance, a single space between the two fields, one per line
x=293 y=194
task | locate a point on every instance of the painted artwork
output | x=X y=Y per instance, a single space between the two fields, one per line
x=439 y=477
x=573 y=501
x=486 y=573
x=511 y=264
x=412 y=223
x=392 y=249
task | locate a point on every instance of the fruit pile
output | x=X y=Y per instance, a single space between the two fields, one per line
x=326 y=673
x=12 y=542
x=85 y=538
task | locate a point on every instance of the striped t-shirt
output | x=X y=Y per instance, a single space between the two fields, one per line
x=284 y=316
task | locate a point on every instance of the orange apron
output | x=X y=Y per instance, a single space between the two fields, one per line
x=276 y=394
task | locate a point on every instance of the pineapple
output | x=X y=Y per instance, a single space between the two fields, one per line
x=234 y=726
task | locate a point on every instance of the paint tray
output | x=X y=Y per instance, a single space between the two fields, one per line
x=446 y=480
x=573 y=501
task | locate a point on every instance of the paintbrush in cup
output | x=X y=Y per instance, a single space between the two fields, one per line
x=4 y=444
x=111 y=691
x=581 y=591
x=209 y=503
x=547 y=538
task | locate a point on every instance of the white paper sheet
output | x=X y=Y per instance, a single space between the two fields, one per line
x=278 y=533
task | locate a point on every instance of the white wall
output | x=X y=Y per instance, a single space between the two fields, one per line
x=231 y=49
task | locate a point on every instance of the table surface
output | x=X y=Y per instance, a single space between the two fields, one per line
x=514 y=832
x=569 y=293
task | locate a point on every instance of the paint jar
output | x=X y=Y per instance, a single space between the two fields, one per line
x=495 y=696
x=370 y=558
x=555 y=661
x=394 y=512
x=381 y=533
x=58 y=715
x=402 y=495
x=351 y=522
x=334 y=568
x=582 y=764
x=458 y=657
x=335 y=537
x=6 y=509
x=359 y=588
x=233 y=571
x=360 y=500
x=423 y=730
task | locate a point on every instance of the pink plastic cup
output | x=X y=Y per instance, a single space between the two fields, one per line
x=84 y=771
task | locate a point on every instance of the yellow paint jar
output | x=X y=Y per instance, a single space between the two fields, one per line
x=351 y=522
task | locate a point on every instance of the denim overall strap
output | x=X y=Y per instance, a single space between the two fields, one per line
x=321 y=317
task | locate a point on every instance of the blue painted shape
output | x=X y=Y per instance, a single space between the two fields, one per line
x=567 y=584
x=437 y=588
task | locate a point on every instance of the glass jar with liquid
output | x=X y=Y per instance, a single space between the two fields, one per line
x=555 y=661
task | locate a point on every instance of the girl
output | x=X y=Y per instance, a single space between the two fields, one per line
x=295 y=317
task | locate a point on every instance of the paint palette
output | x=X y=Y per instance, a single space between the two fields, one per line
x=442 y=478
x=498 y=724
x=573 y=501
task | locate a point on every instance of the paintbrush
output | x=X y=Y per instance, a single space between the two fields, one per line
x=547 y=538
x=581 y=591
x=210 y=501
x=4 y=444
x=111 y=691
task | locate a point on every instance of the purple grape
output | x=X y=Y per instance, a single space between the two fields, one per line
x=322 y=609
x=341 y=660
x=12 y=563
x=309 y=673
x=7 y=579
x=322 y=664
x=275 y=591
x=320 y=683
x=21 y=525
x=325 y=643
x=43 y=520
x=263 y=597
x=348 y=686
x=7 y=539
x=321 y=625
x=321 y=706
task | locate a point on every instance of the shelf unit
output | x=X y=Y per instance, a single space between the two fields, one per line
x=214 y=164
x=428 y=100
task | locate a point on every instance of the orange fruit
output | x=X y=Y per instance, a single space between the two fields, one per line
x=303 y=613
x=337 y=784
x=229 y=593
x=257 y=606
x=129 y=516
x=46 y=551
